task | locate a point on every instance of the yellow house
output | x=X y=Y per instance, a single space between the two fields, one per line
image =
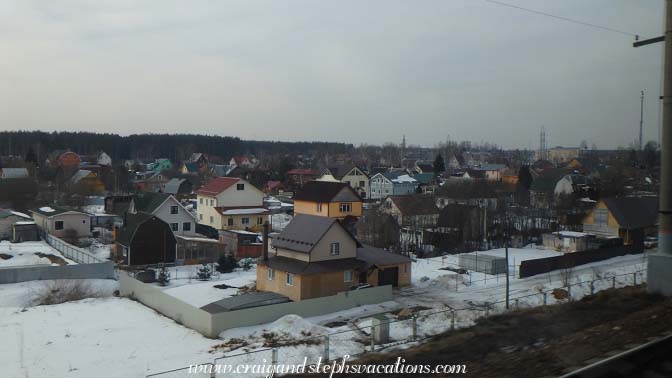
x=316 y=256
x=230 y=203
x=630 y=218
x=328 y=199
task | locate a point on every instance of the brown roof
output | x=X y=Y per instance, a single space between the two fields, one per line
x=304 y=232
x=373 y=256
x=294 y=266
x=323 y=191
x=217 y=186
x=302 y=171
x=418 y=204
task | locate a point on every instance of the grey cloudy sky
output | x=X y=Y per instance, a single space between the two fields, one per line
x=357 y=71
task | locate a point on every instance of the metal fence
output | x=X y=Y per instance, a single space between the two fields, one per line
x=79 y=255
x=413 y=329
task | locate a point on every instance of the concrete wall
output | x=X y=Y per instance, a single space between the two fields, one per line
x=36 y=272
x=155 y=298
x=211 y=325
x=306 y=308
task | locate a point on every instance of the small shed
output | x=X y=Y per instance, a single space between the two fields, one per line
x=7 y=220
x=24 y=231
x=568 y=241
x=483 y=263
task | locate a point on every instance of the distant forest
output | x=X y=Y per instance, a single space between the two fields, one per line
x=149 y=146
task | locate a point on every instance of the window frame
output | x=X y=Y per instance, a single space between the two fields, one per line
x=240 y=186
x=345 y=276
x=345 y=207
x=270 y=274
x=175 y=227
x=337 y=249
x=186 y=226
x=56 y=225
x=289 y=279
x=174 y=210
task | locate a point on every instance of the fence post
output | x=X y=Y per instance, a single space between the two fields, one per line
x=213 y=372
x=487 y=310
x=373 y=341
x=613 y=282
x=456 y=284
x=569 y=292
x=414 y=321
x=517 y=304
x=592 y=287
x=634 y=279
x=545 y=298
x=274 y=356
x=326 y=347
x=452 y=320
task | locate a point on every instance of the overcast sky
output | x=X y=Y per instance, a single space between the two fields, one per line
x=355 y=71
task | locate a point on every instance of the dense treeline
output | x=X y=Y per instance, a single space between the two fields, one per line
x=148 y=146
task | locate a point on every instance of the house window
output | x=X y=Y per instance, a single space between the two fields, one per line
x=335 y=249
x=212 y=202
x=200 y=216
x=245 y=221
x=290 y=279
x=174 y=226
x=345 y=207
x=230 y=221
x=319 y=207
x=200 y=201
x=186 y=226
x=240 y=186
x=58 y=225
x=361 y=184
x=83 y=221
x=212 y=219
x=173 y=209
x=601 y=217
x=271 y=274
x=260 y=220
x=347 y=276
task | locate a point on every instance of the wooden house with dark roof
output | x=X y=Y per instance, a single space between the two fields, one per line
x=630 y=218
x=328 y=199
x=144 y=239
x=316 y=256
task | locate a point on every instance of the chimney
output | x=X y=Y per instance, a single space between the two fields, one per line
x=265 y=241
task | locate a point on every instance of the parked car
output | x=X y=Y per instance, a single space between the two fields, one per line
x=650 y=242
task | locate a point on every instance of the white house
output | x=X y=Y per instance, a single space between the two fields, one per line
x=230 y=203
x=168 y=209
x=62 y=222
x=12 y=173
x=392 y=184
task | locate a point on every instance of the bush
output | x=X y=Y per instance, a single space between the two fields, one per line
x=226 y=264
x=246 y=263
x=163 y=278
x=204 y=273
x=61 y=291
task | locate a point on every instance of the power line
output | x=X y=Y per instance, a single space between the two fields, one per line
x=564 y=18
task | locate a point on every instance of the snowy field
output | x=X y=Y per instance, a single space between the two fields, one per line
x=123 y=338
x=30 y=253
x=185 y=286
x=102 y=337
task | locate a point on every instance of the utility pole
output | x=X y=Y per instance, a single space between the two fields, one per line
x=660 y=263
x=641 y=122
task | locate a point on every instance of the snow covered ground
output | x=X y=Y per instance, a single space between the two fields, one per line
x=102 y=337
x=280 y=221
x=185 y=286
x=30 y=253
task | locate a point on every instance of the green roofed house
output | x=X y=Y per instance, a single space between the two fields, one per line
x=62 y=221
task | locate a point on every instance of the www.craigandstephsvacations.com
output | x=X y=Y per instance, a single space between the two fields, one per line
x=332 y=368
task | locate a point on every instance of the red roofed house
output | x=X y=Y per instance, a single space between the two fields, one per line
x=230 y=203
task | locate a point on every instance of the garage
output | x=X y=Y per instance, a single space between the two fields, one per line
x=388 y=276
